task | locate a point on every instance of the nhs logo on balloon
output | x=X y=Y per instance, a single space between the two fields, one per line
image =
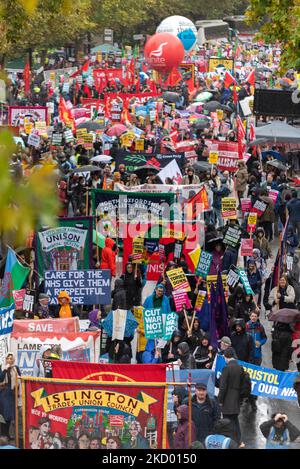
x=188 y=38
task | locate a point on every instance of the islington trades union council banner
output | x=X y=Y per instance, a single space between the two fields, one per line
x=67 y=247
x=71 y=408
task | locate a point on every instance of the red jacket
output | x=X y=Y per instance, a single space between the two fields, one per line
x=108 y=258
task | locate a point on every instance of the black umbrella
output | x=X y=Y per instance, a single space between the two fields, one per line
x=171 y=97
x=86 y=169
x=202 y=166
x=146 y=170
x=90 y=126
x=277 y=164
x=201 y=124
x=212 y=106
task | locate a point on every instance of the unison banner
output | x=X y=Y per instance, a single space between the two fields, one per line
x=85 y=287
x=133 y=206
x=95 y=409
x=67 y=247
x=79 y=346
x=266 y=382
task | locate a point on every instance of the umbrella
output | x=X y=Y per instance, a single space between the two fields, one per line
x=90 y=126
x=201 y=123
x=212 y=106
x=257 y=141
x=145 y=168
x=86 y=169
x=285 y=315
x=277 y=164
x=101 y=159
x=130 y=326
x=195 y=107
x=171 y=97
x=116 y=130
x=202 y=166
x=203 y=97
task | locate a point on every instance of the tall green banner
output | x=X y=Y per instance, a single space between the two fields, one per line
x=66 y=247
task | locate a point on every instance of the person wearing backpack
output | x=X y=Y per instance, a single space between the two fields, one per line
x=230 y=393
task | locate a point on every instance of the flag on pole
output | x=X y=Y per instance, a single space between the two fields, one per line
x=251 y=78
x=213 y=338
x=14 y=277
x=229 y=80
x=26 y=78
x=221 y=310
x=173 y=78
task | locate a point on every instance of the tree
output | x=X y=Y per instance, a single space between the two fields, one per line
x=24 y=206
x=41 y=24
x=280 y=23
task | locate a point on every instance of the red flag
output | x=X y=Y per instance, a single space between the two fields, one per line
x=241 y=133
x=251 y=78
x=138 y=84
x=65 y=114
x=26 y=78
x=131 y=71
x=234 y=95
x=251 y=133
x=197 y=203
x=174 y=77
x=86 y=90
x=85 y=66
x=229 y=80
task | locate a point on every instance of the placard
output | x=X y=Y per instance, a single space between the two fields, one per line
x=170 y=321
x=181 y=299
x=259 y=207
x=200 y=299
x=252 y=221
x=204 y=263
x=213 y=157
x=153 y=323
x=232 y=236
x=178 y=279
x=229 y=207
x=246 y=205
x=247 y=247
x=85 y=287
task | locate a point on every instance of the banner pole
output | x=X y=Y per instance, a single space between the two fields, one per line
x=97 y=247
x=23 y=412
x=165 y=413
x=190 y=411
x=87 y=202
x=16 y=414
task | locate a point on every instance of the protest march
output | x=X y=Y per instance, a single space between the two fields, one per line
x=149 y=255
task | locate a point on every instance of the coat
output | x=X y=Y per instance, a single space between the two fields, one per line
x=269 y=213
x=257 y=331
x=288 y=433
x=241 y=179
x=108 y=257
x=186 y=181
x=181 y=439
x=229 y=392
x=119 y=296
x=293 y=207
x=148 y=354
x=263 y=245
x=133 y=289
x=7 y=396
x=204 y=416
x=243 y=343
x=281 y=346
x=289 y=297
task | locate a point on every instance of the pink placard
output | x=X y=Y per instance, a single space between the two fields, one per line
x=180 y=299
x=247 y=247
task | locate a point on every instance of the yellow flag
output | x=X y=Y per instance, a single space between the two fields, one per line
x=195 y=255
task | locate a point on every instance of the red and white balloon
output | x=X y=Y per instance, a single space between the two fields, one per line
x=163 y=52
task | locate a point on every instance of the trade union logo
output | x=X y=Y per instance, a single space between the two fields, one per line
x=159 y=51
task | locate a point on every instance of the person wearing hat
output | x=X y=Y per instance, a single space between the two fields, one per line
x=181 y=439
x=222 y=436
x=170 y=352
x=186 y=361
x=42 y=309
x=205 y=411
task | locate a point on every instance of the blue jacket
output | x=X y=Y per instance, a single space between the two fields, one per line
x=256 y=329
x=230 y=257
x=255 y=281
x=165 y=307
x=293 y=207
x=218 y=195
x=148 y=354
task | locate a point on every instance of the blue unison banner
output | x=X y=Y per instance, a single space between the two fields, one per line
x=85 y=287
x=266 y=382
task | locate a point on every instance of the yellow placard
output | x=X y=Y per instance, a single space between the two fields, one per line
x=229 y=207
x=140 y=144
x=215 y=61
x=178 y=280
x=220 y=114
x=213 y=157
x=200 y=299
x=252 y=219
